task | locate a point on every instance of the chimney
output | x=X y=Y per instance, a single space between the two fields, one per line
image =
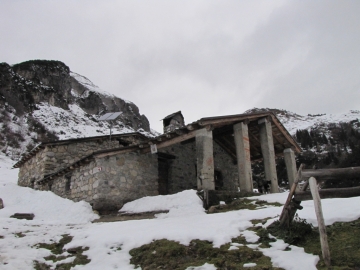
x=173 y=121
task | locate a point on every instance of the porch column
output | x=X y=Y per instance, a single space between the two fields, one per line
x=205 y=160
x=268 y=152
x=290 y=163
x=242 y=145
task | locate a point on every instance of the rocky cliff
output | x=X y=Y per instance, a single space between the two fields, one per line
x=44 y=100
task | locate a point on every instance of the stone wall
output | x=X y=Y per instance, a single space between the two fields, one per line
x=32 y=170
x=224 y=163
x=61 y=156
x=56 y=157
x=182 y=169
x=107 y=183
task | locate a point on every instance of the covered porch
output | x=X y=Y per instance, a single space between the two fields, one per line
x=244 y=137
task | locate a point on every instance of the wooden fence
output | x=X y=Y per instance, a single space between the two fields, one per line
x=311 y=177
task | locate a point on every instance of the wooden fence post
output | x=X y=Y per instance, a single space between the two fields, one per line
x=286 y=217
x=320 y=218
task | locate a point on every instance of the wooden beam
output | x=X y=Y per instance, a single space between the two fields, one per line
x=252 y=136
x=175 y=140
x=229 y=119
x=329 y=193
x=330 y=174
x=285 y=133
x=120 y=151
x=278 y=140
x=227 y=150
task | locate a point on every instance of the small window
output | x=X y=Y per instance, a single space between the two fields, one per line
x=219 y=182
x=67 y=183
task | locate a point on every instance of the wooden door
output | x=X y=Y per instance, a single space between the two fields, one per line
x=163 y=169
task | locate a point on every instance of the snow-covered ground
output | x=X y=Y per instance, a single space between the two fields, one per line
x=186 y=220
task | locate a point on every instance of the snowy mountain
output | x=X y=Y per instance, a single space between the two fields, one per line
x=43 y=100
x=323 y=122
x=327 y=141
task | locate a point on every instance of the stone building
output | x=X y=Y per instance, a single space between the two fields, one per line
x=212 y=153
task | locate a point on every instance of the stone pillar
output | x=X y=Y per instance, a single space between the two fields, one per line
x=242 y=145
x=290 y=163
x=268 y=152
x=205 y=160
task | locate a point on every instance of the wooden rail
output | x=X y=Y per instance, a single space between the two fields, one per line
x=316 y=195
x=331 y=174
x=329 y=193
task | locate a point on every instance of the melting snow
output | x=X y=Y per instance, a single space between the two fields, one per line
x=185 y=221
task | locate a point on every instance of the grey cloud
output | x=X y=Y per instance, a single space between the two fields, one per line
x=203 y=57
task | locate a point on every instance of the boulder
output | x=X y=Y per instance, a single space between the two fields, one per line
x=27 y=216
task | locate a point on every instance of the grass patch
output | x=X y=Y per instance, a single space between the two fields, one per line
x=257 y=221
x=165 y=254
x=240 y=204
x=343 y=239
x=41 y=266
x=57 y=249
x=19 y=234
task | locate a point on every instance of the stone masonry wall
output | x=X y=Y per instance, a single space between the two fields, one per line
x=61 y=156
x=182 y=169
x=32 y=170
x=107 y=183
x=225 y=165
x=55 y=157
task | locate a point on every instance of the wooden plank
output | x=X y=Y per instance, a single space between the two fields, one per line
x=329 y=193
x=253 y=146
x=327 y=174
x=285 y=214
x=320 y=218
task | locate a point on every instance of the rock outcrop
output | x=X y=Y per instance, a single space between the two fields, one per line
x=43 y=100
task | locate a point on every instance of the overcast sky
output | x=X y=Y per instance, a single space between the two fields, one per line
x=205 y=58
